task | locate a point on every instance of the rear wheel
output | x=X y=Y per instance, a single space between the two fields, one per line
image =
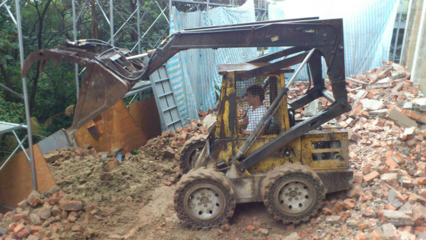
x=293 y=193
x=191 y=151
x=204 y=198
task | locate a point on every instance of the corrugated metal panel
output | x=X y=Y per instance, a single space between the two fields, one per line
x=54 y=142
x=165 y=100
x=194 y=74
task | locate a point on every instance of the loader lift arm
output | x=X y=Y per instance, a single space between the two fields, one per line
x=112 y=72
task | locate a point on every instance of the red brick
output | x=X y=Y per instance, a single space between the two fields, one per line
x=326 y=211
x=71 y=205
x=77 y=228
x=415 y=116
x=389 y=206
x=250 y=228
x=369 y=177
x=23 y=232
x=338 y=207
x=348 y=204
x=34 y=199
x=390 y=162
x=12 y=226
x=54 y=199
x=18 y=217
x=358 y=178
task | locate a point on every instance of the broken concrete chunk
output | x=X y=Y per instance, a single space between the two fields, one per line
x=420 y=104
x=390 y=178
x=389 y=230
x=384 y=80
x=312 y=109
x=396 y=218
x=378 y=113
x=209 y=121
x=333 y=219
x=293 y=236
x=401 y=119
x=409 y=131
x=169 y=153
x=408 y=105
x=51 y=157
x=371 y=104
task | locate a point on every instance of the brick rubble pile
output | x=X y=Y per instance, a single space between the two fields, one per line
x=388 y=155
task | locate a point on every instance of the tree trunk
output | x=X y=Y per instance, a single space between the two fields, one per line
x=95 y=27
x=39 y=46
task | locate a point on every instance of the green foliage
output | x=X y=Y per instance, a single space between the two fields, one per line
x=13 y=112
x=46 y=24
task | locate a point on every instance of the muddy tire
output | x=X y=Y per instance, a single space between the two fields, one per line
x=190 y=152
x=204 y=199
x=293 y=193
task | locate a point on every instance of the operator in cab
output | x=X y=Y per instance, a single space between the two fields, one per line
x=255 y=112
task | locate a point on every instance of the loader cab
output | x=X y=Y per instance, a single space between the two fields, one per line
x=234 y=104
x=318 y=149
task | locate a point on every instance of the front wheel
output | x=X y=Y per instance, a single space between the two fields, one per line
x=204 y=199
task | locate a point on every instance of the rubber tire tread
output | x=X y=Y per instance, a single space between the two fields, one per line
x=204 y=173
x=273 y=176
x=189 y=146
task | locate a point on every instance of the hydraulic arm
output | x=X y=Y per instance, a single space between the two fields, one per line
x=111 y=72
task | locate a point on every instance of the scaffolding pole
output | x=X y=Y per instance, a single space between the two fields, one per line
x=74 y=31
x=139 y=24
x=111 y=20
x=25 y=92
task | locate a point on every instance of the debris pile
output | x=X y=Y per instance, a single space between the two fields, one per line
x=169 y=143
x=51 y=215
x=96 y=177
x=388 y=155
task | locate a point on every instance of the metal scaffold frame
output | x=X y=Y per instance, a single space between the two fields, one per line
x=261 y=14
x=11 y=127
x=260 y=11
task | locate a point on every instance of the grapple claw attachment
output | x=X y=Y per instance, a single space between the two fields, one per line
x=107 y=78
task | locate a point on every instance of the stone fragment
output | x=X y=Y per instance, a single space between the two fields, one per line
x=293 y=236
x=333 y=219
x=396 y=218
x=389 y=230
x=169 y=153
x=71 y=205
x=44 y=213
x=401 y=119
x=352 y=223
x=35 y=219
x=77 y=228
x=407 y=236
x=419 y=215
x=371 y=104
x=348 y=204
x=51 y=157
x=390 y=178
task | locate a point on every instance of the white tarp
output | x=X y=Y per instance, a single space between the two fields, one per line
x=368 y=27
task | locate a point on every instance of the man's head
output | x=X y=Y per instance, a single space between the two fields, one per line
x=255 y=95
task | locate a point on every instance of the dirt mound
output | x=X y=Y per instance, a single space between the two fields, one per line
x=99 y=178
